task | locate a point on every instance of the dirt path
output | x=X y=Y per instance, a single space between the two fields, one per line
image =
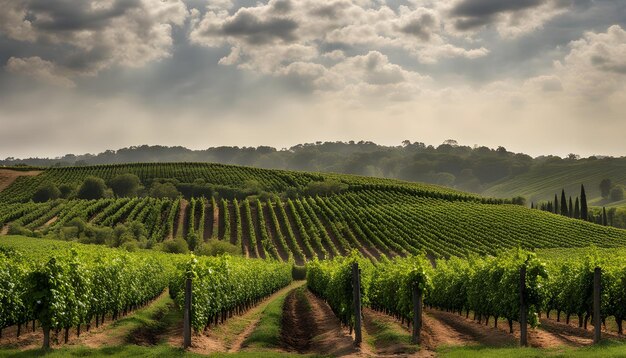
x=50 y=222
x=233 y=223
x=310 y=326
x=8 y=176
x=110 y=333
x=4 y=230
x=549 y=335
x=227 y=337
x=297 y=322
x=215 y=230
x=476 y=332
x=208 y=220
x=180 y=223
x=434 y=334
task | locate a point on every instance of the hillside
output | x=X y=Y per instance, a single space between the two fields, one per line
x=285 y=220
x=542 y=181
x=486 y=171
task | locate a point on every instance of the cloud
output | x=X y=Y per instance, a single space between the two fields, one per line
x=511 y=18
x=299 y=40
x=39 y=69
x=92 y=35
x=595 y=67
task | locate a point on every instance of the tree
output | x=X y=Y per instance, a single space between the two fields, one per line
x=617 y=193
x=164 y=190
x=570 y=210
x=92 y=188
x=556 y=205
x=46 y=191
x=519 y=200
x=577 y=209
x=125 y=185
x=584 y=211
x=66 y=190
x=604 y=218
x=564 y=209
x=605 y=187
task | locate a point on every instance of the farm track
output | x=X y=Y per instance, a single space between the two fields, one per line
x=310 y=326
x=178 y=224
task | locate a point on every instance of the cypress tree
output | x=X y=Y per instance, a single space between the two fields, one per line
x=532 y=205
x=577 y=209
x=604 y=218
x=584 y=211
x=570 y=209
x=556 y=205
x=564 y=204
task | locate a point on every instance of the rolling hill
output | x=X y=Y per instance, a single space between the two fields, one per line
x=283 y=219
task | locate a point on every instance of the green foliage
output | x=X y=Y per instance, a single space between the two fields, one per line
x=63 y=286
x=326 y=187
x=164 y=190
x=92 y=188
x=224 y=283
x=176 y=246
x=45 y=192
x=125 y=185
x=332 y=281
x=214 y=247
x=617 y=193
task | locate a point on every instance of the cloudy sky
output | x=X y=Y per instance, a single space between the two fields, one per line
x=538 y=76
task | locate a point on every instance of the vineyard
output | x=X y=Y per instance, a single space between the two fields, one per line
x=454 y=259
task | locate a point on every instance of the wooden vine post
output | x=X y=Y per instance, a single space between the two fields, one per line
x=523 y=321
x=597 y=320
x=187 y=315
x=356 y=285
x=417 y=314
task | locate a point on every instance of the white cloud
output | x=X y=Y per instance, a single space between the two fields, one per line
x=92 y=35
x=39 y=69
x=595 y=67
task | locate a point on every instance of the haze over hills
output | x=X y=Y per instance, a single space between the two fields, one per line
x=487 y=171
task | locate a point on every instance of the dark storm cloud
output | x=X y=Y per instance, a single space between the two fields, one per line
x=420 y=28
x=70 y=15
x=477 y=13
x=282 y=6
x=256 y=31
x=331 y=11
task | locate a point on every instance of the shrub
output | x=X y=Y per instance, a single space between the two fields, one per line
x=216 y=247
x=45 y=192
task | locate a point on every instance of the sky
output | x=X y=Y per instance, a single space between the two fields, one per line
x=535 y=76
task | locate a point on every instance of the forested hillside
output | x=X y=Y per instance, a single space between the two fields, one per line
x=491 y=172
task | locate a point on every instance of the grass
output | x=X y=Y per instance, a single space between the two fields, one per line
x=133 y=351
x=387 y=334
x=607 y=349
x=267 y=332
x=233 y=327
